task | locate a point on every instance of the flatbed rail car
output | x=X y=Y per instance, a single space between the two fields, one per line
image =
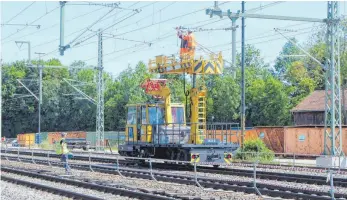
x=147 y=135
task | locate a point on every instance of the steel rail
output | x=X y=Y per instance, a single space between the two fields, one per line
x=112 y=160
x=226 y=185
x=49 y=189
x=115 y=189
x=289 y=177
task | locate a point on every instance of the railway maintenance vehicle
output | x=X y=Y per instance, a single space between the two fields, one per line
x=159 y=129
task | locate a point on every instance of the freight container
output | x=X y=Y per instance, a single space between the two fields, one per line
x=309 y=140
x=296 y=140
x=108 y=135
x=56 y=136
x=273 y=137
x=44 y=136
x=26 y=139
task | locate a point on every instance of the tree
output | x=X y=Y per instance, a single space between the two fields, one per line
x=283 y=61
x=268 y=102
x=300 y=83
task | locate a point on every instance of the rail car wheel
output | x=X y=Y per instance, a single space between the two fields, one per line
x=182 y=155
x=172 y=154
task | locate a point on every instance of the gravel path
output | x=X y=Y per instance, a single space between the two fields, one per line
x=10 y=191
x=68 y=187
x=141 y=183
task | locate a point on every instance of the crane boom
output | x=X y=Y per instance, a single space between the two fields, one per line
x=169 y=65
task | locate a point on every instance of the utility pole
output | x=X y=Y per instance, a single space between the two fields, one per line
x=243 y=106
x=233 y=42
x=100 y=98
x=344 y=108
x=217 y=11
x=62 y=25
x=40 y=66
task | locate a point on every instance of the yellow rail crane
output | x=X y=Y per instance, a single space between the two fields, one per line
x=160 y=129
x=169 y=65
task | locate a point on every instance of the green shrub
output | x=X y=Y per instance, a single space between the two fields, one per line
x=255 y=149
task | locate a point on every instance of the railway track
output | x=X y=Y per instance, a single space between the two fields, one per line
x=106 y=188
x=298 y=178
x=289 y=177
x=109 y=158
x=239 y=186
x=50 y=189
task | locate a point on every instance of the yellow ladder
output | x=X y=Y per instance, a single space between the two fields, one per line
x=202 y=114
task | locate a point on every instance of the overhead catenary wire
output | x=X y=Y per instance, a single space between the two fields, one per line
x=92 y=35
x=176 y=17
x=262 y=36
x=14 y=33
x=91 y=25
x=20 y=12
x=142 y=18
x=67 y=21
x=57 y=39
x=164 y=21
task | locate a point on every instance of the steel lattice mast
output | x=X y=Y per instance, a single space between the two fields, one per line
x=332 y=125
x=100 y=98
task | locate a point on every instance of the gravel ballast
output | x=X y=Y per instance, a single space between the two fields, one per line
x=140 y=183
x=10 y=191
x=68 y=187
x=322 y=188
x=283 y=169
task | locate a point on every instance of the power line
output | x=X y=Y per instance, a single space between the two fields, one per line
x=10 y=35
x=20 y=12
x=162 y=22
x=142 y=18
x=273 y=39
x=92 y=35
x=186 y=14
x=51 y=41
x=260 y=37
x=69 y=20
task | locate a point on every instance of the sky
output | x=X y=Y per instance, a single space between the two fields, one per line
x=141 y=35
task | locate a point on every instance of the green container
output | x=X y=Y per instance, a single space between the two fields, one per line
x=91 y=137
x=44 y=136
x=113 y=136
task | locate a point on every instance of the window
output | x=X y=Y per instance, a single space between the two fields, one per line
x=143 y=113
x=156 y=115
x=131 y=115
x=177 y=115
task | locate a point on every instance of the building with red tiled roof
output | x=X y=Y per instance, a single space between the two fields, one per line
x=310 y=111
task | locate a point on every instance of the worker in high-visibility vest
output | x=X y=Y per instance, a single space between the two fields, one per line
x=184 y=44
x=191 y=43
x=61 y=149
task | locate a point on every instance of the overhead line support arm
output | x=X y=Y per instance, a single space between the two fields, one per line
x=219 y=13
